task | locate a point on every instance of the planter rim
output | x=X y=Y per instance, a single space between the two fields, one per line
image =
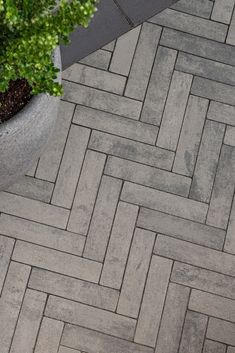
x=35 y=103
x=25 y=135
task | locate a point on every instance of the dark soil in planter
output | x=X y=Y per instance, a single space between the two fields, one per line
x=12 y=101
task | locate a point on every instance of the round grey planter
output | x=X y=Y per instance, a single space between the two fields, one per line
x=23 y=137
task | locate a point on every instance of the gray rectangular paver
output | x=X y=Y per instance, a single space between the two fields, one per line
x=115 y=124
x=86 y=192
x=172 y=319
x=6 y=248
x=29 y=322
x=90 y=317
x=213 y=90
x=222 y=113
x=174 y=111
x=33 y=210
x=212 y=305
x=49 y=336
x=71 y=166
x=229 y=245
x=231 y=32
x=91 y=341
x=32 y=170
x=193 y=333
x=32 y=188
x=148 y=176
x=109 y=102
x=207 y=68
x=136 y=272
x=99 y=59
x=142 y=63
x=63 y=349
x=119 y=245
x=124 y=52
x=74 y=289
x=205 y=280
x=207 y=161
x=132 y=150
x=231 y=350
x=191 y=24
x=214 y=347
x=222 y=331
x=10 y=302
x=181 y=228
x=229 y=138
x=158 y=86
x=190 y=136
x=102 y=219
x=222 y=11
x=196 y=255
x=96 y=78
x=222 y=194
x=41 y=234
x=109 y=46
x=56 y=261
x=153 y=301
x=50 y=160
x=200 y=8
x=198 y=46
x=164 y=202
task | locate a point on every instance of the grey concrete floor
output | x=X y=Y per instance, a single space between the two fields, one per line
x=122 y=238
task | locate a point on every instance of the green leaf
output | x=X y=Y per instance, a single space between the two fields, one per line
x=30 y=30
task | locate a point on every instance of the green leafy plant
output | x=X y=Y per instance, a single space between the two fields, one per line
x=30 y=30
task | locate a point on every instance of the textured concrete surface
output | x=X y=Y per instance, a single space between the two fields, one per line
x=121 y=239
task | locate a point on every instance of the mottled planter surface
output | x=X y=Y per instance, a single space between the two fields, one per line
x=23 y=138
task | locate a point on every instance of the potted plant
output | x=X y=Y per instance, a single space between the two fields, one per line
x=30 y=81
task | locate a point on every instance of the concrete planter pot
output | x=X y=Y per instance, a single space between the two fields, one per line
x=24 y=137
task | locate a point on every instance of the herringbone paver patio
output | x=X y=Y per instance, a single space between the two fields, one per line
x=122 y=238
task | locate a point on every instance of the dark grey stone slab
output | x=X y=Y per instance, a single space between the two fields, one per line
x=107 y=24
x=114 y=18
x=140 y=10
